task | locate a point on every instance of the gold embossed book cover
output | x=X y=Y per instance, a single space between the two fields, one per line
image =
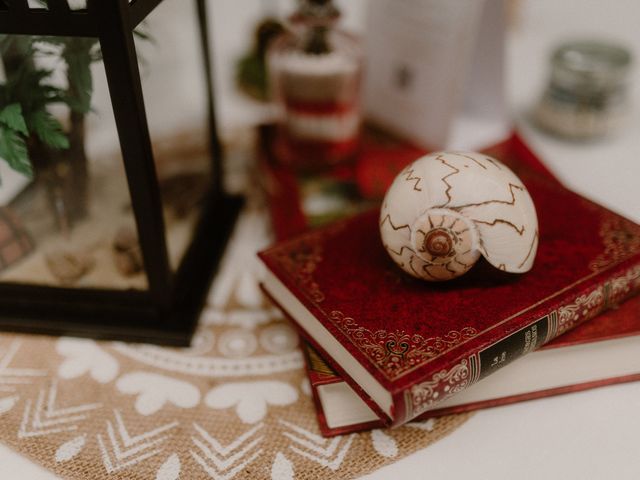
x=405 y=346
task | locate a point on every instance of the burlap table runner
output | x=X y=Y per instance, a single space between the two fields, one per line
x=236 y=405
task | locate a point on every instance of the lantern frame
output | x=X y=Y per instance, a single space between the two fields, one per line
x=167 y=312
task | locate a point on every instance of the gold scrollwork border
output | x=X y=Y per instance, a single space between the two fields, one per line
x=396 y=352
x=442 y=385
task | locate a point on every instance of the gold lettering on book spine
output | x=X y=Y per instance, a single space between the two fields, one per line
x=395 y=352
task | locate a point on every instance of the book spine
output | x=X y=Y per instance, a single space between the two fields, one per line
x=469 y=369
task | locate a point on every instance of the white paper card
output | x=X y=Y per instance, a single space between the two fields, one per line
x=435 y=71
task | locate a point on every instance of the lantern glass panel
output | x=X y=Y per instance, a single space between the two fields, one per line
x=65 y=211
x=175 y=96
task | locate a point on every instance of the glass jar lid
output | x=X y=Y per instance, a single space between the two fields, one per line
x=589 y=65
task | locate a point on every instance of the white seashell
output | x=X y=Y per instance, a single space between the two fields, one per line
x=446 y=209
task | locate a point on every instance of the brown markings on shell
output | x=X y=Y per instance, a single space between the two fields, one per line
x=444 y=179
x=520 y=230
x=410 y=177
x=533 y=242
x=512 y=202
x=402 y=249
x=456 y=171
x=387 y=218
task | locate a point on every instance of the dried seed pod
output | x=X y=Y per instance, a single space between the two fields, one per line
x=446 y=209
x=127 y=254
x=69 y=267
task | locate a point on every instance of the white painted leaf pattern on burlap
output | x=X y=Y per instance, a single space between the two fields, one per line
x=384 y=444
x=70 y=449
x=7 y=403
x=170 y=469
x=310 y=445
x=85 y=356
x=282 y=469
x=154 y=391
x=305 y=386
x=251 y=399
x=427 y=425
x=224 y=461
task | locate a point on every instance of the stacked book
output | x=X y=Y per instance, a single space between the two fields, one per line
x=385 y=348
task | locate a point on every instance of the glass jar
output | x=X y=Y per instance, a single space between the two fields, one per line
x=314 y=72
x=587 y=93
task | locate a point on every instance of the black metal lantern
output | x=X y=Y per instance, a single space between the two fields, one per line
x=113 y=215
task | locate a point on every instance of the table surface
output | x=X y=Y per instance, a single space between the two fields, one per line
x=592 y=434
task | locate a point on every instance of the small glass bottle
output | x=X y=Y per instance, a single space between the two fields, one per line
x=314 y=72
x=587 y=93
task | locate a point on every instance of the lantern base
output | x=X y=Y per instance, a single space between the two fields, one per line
x=130 y=315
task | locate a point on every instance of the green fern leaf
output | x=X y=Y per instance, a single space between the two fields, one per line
x=48 y=129
x=11 y=116
x=13 y=150
x=77 y=55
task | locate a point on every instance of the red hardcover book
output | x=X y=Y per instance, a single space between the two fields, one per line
x=406 y=346
x=600 y=352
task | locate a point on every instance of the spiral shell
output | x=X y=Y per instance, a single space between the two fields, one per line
x=446 y=209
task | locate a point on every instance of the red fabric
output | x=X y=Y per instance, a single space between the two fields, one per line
x=345 y=269
x=377 y=163
x=282 y=189
x=315 y=156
